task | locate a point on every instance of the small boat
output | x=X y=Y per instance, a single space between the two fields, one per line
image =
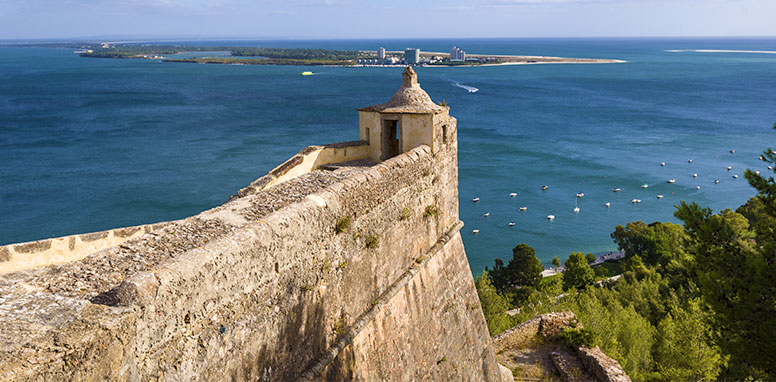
x=306 y=74
x=735 y=176
x=486 y=214
x=644 y=185
x=475 y=200
x=616 y=189
x=580 y=194
x=689 y=161
x=662 y=164
x=511 y=224
x=770 y=167
x=544 y=188
x=634 y=201
x=607 y=204
x=521 y=209
x=550 y=217
x=660 y=196
x=475 y=231
x=757 y=172
x=730 y=168
x=576 y=210
x=732 y=151
x=716 y=181
x=513 y=194
x=697 y=187
x=694 y=175
x=671 y=180
x=761 y=157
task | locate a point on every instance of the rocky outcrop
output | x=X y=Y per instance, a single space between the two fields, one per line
x=605 y=368
x=535 y=343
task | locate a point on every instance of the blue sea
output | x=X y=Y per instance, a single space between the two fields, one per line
x=92 y=144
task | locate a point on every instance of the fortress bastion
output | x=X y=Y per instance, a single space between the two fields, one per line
x=343 y=263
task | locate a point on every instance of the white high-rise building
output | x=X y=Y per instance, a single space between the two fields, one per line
x=381 y=53
x=457 y=54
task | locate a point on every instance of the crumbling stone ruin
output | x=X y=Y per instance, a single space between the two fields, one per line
x=533 y=350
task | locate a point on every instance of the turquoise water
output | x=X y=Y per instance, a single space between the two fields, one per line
x=91 y=144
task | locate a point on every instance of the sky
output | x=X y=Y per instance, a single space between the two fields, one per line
x=47 y=19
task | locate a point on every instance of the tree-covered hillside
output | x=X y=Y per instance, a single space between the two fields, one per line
x=695 y=302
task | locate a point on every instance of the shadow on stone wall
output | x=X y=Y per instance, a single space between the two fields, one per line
x=302 y=340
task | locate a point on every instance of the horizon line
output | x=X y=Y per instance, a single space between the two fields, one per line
x=146 y=38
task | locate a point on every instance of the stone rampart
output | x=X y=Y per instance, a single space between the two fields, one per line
x=330 y=267
x=16 y=257
x=365 y=278
x=309 y=159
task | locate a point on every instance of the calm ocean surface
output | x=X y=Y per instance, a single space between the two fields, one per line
x=92 y=144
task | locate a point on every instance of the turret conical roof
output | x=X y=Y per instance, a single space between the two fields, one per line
x=410 y=98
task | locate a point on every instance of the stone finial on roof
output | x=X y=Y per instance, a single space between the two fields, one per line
x=409 y=78
x=410 y=98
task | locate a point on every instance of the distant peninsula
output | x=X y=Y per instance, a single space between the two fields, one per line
x=296 y=56
x=240 y=55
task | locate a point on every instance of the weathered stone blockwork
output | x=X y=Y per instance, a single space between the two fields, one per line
x=352 y=272
x=280 y=292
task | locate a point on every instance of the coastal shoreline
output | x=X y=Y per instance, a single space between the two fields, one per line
x=520 y=59
x=530 y=62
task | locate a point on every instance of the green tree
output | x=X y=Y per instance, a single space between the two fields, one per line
x=556 y=262
x=524 y=269
x=657 y=243
x=578 y=273
x=735 y=256
x=684 y=351
x=590 y=257
x=621 y=332
x=494 y=305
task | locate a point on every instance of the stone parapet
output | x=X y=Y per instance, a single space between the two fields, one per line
x=20 y=256
x=364 y=260
x=309 y=159
x=17 y=257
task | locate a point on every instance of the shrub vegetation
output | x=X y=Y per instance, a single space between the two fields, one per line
x=695 y=301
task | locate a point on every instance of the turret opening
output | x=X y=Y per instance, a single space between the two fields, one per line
x=390 y=139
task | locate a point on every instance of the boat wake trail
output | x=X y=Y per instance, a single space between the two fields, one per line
x=471 y=89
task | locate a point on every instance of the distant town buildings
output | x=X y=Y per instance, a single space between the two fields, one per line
x=384 y=61
x=411 y=56
x=457 y=54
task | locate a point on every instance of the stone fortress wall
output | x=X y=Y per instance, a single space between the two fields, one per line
x=344 y=263
x=60 y=250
